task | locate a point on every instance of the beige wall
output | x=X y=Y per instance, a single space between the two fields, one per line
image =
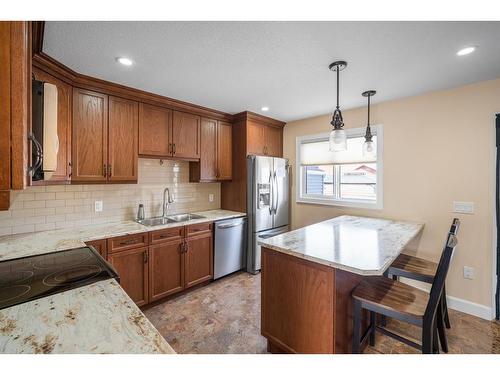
x=438 y=148
x=51 y=207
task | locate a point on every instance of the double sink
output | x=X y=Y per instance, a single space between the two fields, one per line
x=162 y=220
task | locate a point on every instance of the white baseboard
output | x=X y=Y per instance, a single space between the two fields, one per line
x=472 y=308
x=462 y=305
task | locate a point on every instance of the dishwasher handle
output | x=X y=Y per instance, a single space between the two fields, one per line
x=226 y=226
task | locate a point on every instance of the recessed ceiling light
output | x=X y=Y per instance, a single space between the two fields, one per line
x=124 y=61
x=264 y=109
x=466 y=51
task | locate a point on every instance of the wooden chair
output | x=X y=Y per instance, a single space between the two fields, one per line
x=391 y=298
x=423 y=270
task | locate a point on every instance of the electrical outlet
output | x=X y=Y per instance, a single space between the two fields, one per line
x=210 y=197
x=463 y=207
x=98 y=206
x=468 y=272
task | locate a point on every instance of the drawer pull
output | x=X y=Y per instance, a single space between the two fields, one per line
x=129 y=242
x=167 y=235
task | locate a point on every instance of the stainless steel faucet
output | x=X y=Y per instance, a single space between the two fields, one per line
x=167 y=200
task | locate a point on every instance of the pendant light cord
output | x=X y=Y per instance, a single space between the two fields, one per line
x=338 y=84
x=368 y=111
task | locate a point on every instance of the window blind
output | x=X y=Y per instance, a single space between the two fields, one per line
x=318 y=153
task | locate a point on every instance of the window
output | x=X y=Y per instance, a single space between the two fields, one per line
x=343 y=178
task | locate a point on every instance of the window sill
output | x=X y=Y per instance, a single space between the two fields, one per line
x=331 y=202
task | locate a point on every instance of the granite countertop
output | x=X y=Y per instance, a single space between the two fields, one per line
x=96 y=318
x=93 y=319
x=21 y=245
x=361 y=245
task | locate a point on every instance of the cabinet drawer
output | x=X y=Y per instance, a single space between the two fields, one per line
x=164 y=235
x=131 y=241
x=196 y=229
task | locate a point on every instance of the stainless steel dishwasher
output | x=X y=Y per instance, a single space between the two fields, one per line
x=230 y=246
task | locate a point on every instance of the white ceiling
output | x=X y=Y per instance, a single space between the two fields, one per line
x=236 y=66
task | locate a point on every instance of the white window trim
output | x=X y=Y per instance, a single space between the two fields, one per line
x=299 y=183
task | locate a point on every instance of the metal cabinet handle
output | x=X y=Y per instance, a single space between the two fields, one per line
x=186 y=247
x=226 y=226
x=105 y=170
x=110 y=170
x=146 y=257
x=173 y=149
x=128 y=242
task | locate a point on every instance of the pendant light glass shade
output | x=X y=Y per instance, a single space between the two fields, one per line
x=369 y=150
x=338 y=140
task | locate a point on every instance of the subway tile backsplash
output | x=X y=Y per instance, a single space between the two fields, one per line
x=41 y=208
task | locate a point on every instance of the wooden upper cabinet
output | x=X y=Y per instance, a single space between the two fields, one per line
x=90 y=136
x=186 y=135
x=123 y=134
x=208 y=157
x=224 y=151
x=155 y=127
x=64 y=95
x=273 y=137
x=132 y=268
x=255 y=138
x=264 y=139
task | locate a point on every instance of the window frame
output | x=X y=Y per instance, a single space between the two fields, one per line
x=300 y=182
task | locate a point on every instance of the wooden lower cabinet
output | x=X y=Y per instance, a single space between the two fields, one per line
x=132 y=267
x=198 y=259
x=100 y=246
x=176 y=259
x=166 y=269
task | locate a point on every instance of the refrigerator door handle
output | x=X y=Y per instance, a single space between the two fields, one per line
x=277 y=196
x=271 y=188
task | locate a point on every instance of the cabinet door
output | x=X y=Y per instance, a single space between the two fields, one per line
x=155 y=125
x=132 y=267
x=198 y=259
x=100 y=246
x=64 y=93
x=273 y=141
x=224 y=151
x=90 y=136
x=166 y=269
x=255 y=138
x=208 y=163
x=186 y=135
x=123 y=137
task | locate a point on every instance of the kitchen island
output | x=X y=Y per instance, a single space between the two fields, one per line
x=308 y=275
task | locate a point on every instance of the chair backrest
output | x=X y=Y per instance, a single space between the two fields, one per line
x=442 y=271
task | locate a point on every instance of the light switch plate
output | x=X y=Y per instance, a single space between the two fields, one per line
x=463 y=207
x=468 y=272
x=210 y=197
x=98 y=206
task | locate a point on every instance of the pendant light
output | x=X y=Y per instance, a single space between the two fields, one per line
x=368 y=147
x=338 y=138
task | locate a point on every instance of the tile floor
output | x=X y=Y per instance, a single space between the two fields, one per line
x=224 y=317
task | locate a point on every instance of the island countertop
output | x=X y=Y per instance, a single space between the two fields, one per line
x=361 y=245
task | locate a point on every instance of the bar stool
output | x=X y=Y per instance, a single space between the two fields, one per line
x=420 y=270
x=391 y=298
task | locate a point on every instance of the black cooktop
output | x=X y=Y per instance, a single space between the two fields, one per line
x=30 y=278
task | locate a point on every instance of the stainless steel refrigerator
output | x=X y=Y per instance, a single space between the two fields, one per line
x=268 y=203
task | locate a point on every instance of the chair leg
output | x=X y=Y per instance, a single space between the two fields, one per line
x=427 y=338
x=445 y=309
x=373 y=327
x=441 y=330
x=356 y=331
